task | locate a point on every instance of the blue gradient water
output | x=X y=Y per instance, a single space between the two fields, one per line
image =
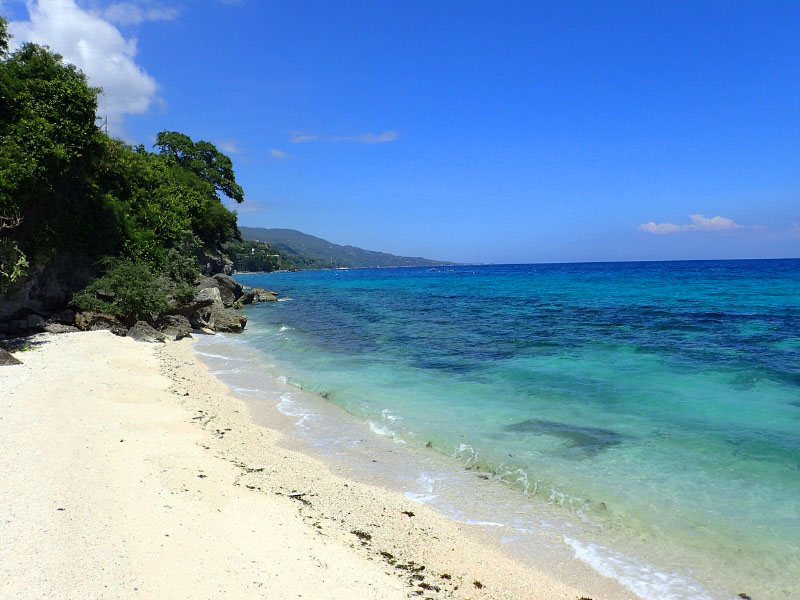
x=657 y=403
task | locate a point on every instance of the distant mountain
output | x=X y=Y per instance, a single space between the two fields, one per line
x=296 y=243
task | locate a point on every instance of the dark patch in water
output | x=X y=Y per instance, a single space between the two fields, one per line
x=589 y=439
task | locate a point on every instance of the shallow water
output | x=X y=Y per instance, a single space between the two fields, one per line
x=655 y=407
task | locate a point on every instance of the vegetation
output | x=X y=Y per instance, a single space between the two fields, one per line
x=304 y=248
x=249 y=255
x=68 y=189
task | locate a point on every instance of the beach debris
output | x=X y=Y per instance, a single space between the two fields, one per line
x=744 y=596
x=446 y=576
x=407 y=513
x=363 y=536
x=429 y=445
x=478 y=584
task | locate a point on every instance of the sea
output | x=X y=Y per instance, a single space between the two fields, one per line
x=646 y=415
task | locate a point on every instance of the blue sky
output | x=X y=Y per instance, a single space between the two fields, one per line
x=470 y=131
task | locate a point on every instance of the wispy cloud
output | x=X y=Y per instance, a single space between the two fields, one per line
x=275 y=153
x=369 y=137
x=130 y=13
x=95 y=45
x=698 y=223
x=229 y=146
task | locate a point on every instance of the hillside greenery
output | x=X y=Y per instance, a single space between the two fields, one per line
x=250 y=255
x=68 y=189
x=322 y=254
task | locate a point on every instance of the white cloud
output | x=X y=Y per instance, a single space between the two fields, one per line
x=97 y=47
x=275 y=153
x=128 y=13
x=698 y=223
x=229 y=146
x=363 y=138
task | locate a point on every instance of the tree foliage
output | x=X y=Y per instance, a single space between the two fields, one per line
x=79 y=192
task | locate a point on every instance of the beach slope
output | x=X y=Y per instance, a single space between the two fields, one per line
x=129 y=471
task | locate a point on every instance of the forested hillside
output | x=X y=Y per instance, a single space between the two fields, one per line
x=299 y=246
x=76 y=204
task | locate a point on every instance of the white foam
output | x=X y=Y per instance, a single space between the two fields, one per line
x=210 y=355
x=282 y=379
x=643 y=580
x=285 y=328
x=290 y=408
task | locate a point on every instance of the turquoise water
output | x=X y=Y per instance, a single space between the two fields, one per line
x=655 y=404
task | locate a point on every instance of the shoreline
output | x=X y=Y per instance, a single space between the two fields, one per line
x=130 y=463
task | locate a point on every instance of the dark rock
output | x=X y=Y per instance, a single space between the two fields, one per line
x=143 y=332
x=47 y=288
x=92 y=321
x=174 y=327
x=59 y=328
x=248 y=297
x=6 y=358
x=227 y=319
x=211 y=265
x=35 y=322
x=66 y=317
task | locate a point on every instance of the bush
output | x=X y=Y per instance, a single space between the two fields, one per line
x=128 y=290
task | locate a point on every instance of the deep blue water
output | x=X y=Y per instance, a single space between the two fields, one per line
x=657 y=403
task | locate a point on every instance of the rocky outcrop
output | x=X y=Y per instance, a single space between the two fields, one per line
x=227 y=320
x=92 y=321
x=211 y=265
x=229 y=289
x=143 y=332
x=46 y=289
x=174 y=327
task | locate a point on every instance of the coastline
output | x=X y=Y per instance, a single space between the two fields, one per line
x=131 y=471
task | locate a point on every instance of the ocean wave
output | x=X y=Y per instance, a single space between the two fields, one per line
x=643 y=580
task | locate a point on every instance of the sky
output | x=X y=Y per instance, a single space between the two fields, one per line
x=496 y=131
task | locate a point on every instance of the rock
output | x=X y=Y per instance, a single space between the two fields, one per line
x=248 y=297
x=228 y=320
x=229 y=288
x=201 y=319
x=211 y=265
x=67 y=317
x=209 y=295
x=264 y=295
x=143 y=332
x=6 y=358
x=174 y=327
x=59 y=328
x=92 y=321
x=35 y=322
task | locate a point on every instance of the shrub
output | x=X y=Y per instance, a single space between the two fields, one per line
x=128 y=290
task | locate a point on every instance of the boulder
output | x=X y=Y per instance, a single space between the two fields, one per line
x=143 y=332
x=92 y=321
x=229 y=289
x=6 y=358
x=59 y=328
x=202 y=319
x=262 y=295
x=228 y=320
x=209 y=296
x=174 y=327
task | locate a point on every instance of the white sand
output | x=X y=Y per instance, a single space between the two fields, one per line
x=128 y=471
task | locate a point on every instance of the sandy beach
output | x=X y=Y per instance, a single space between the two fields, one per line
x=130 y=471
